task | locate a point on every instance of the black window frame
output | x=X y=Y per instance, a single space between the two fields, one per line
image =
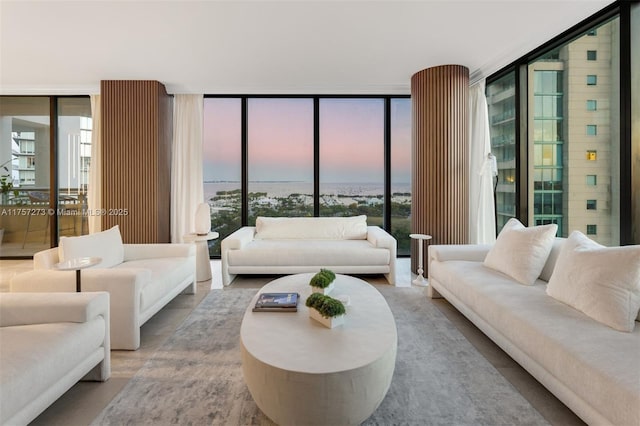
x=386 y=210
x=53 y=228
x=621 y=9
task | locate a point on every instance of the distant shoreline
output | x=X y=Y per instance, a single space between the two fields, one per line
x=345 y=192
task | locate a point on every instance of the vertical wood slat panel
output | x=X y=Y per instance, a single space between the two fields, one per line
x=136 y=156
x=440 y=156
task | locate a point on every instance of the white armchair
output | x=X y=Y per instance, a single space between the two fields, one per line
x=49 y=341
x=148 y=277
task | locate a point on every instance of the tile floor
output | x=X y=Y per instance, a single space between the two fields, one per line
x=84 y=401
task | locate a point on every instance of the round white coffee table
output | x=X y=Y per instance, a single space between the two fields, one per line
x=77 y=265
x=203 y=266
x=300 y=372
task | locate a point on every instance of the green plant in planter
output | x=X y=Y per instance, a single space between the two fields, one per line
x=322 y=279
x=6 y=182
x=327 y=306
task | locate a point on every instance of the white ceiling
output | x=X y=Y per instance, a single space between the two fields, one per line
x=266 y=47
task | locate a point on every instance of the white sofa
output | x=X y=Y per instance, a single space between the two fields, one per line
x=141 y=278
x=49 y=341
x=292 y=245
x=591 y=367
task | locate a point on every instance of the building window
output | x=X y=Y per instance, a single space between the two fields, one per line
x=592 y=204
x=592 y=229
x=592 y=129
x=592 y=155
x=592 y=80
x=592 y=33
x=592 y=180
x=592 y=105
x=592 y=55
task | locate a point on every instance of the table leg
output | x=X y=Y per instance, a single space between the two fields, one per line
x=78 y=285
x=203 y=266
x=420 y=280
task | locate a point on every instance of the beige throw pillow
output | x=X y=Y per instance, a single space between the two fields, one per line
x=602 y=282
x=521 y=252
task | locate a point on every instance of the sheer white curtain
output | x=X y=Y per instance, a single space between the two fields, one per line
x=94 y=193
x=187 y=188
x=482 y=228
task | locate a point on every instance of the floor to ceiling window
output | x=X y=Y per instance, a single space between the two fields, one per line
x=573 y=142
x=31 y=219
x=74 y=160
x=400 y=121
x=570 y=145
x=25 y=159
x=352 y=158
x=306 y=156
x=222 y=169
x=280 y=154
x=501 y=100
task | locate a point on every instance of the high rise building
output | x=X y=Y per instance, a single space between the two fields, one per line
x=573 y=147
x=501 y=97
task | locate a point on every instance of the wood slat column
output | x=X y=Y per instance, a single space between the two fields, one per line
x=440 y=157
x=136 y=171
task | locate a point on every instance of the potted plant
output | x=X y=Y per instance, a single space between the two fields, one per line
x=6 y=184
x=323 y=281
x=326 y=310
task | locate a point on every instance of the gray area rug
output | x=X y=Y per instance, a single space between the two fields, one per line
x=195 y=378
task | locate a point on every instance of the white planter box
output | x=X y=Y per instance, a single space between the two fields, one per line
x=325 y=290
x=327 y=322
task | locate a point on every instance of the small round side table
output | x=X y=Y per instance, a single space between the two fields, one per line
x=77 y=265
x=420 y=279
x=203 y=267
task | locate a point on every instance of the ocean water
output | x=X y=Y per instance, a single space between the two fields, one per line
x=283 y=189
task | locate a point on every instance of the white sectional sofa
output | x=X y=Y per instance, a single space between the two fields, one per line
x=591 y=367
x=49 y=341
x=284 y=245
x=141 y=278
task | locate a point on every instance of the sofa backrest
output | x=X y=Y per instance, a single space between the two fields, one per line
x=311 y=228
x=551 y=260
x=106 y=245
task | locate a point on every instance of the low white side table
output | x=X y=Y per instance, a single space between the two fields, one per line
x=420 y=279
x=77 y=265
x=203 y=267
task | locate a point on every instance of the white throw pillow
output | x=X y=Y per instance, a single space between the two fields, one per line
x=521 y=252
x=106 y=245
x=603 y=282
x=312 y=228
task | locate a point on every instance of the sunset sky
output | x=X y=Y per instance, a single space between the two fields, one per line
x=280 y=139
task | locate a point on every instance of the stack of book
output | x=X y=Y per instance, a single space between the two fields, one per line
x=277 y=302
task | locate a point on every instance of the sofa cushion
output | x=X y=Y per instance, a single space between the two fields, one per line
x=521 y=252
x=40 y=355
x=166 y=273
x=308 y=253
x=312 y=228
x=593 y=360
x=603 y=282
x=106 y=245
